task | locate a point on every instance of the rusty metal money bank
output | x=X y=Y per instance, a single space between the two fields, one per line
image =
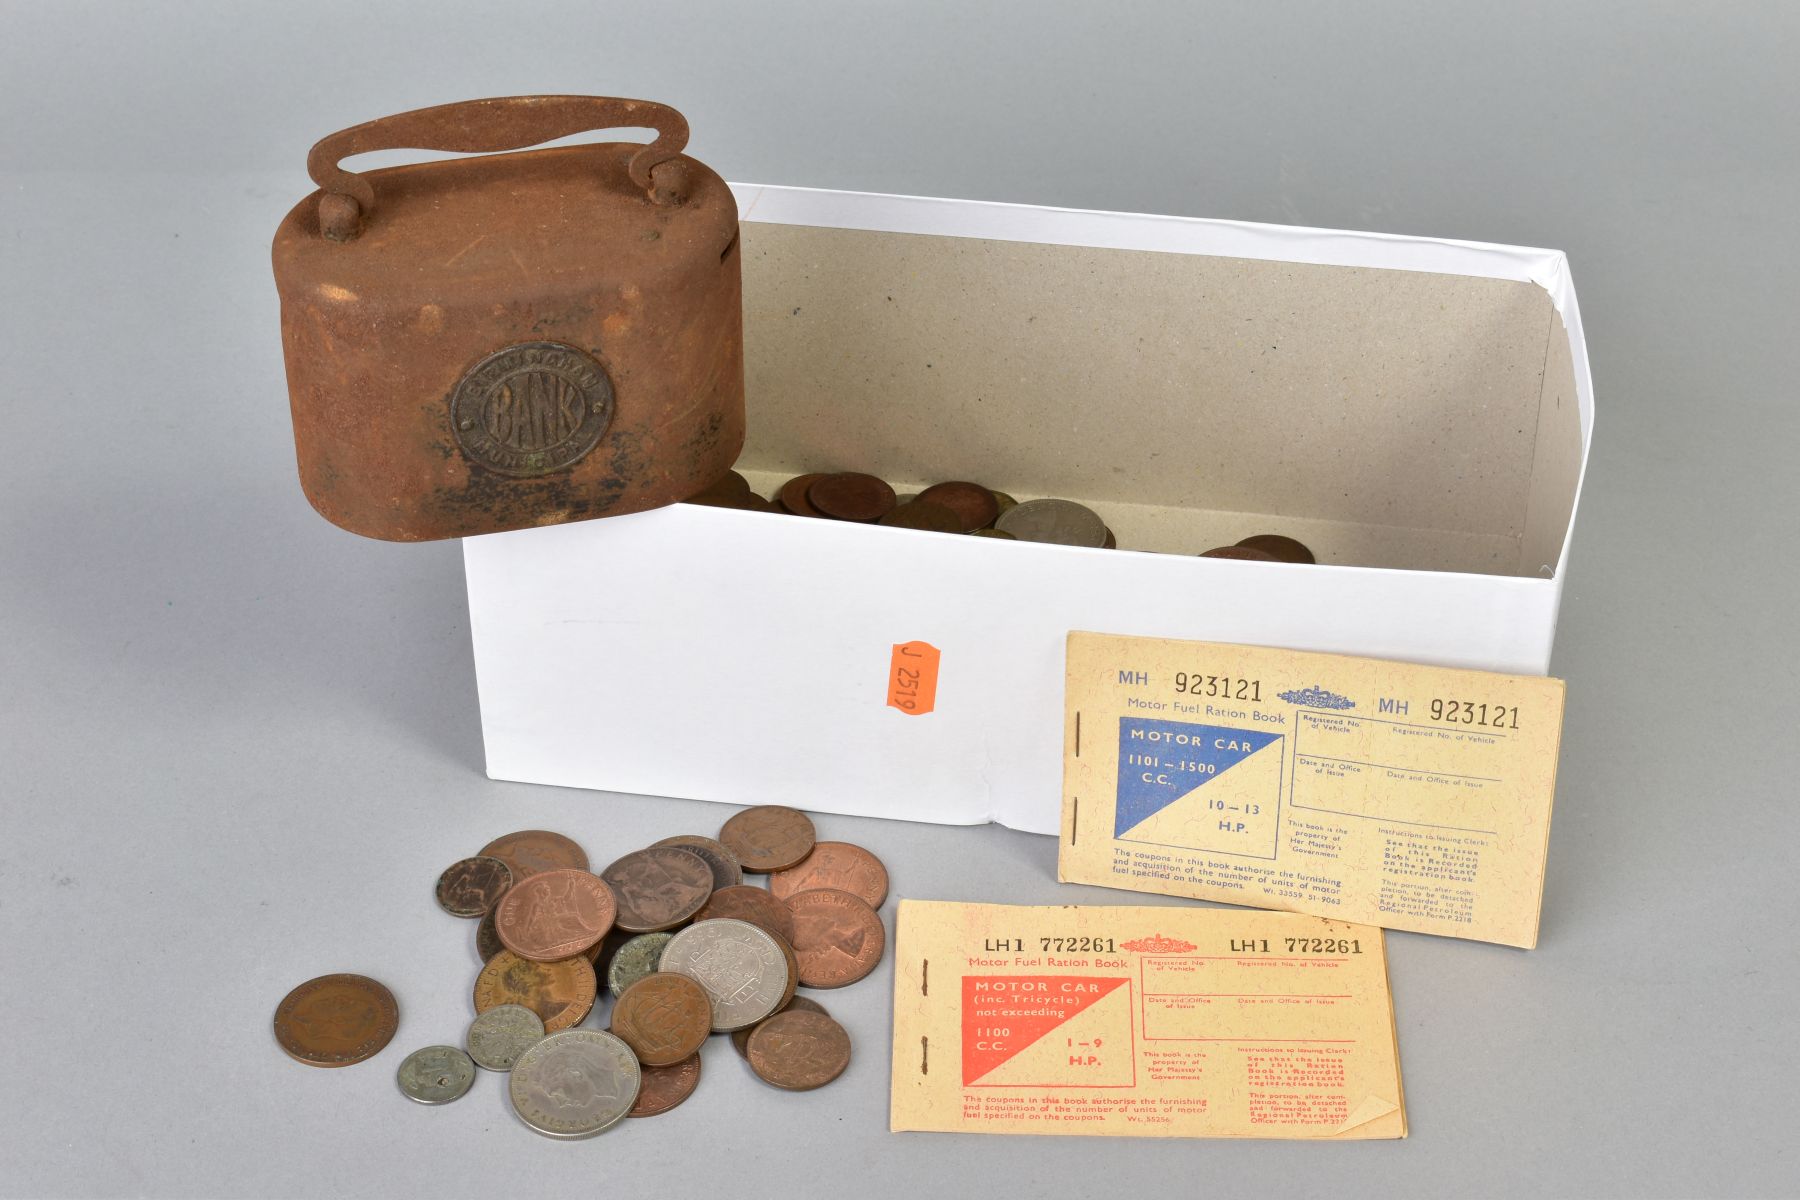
x=515 y=339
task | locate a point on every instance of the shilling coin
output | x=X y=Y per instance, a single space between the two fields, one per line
x=1286 y=549
x=741 y=967
x=554 y=914
x=740 y=1039
x=851 y=496
x=498 y=1036
x=923 y=514
x=436 y=1075
x=634 y=960
x=726 y=870
x=561 y=993
x=769 y=837
x=575 y=1083
x=472 y=886
x=663 y=1017
x=799 y=1051
x=658 y=888
x=336 y=1020
x=665 y=1087
x=974 y=506
x=532 y=850
x=837 y=865
x=838 y=938
x=753 y=904
x=1060 y=522
x=1243 y=552
x=793 y=495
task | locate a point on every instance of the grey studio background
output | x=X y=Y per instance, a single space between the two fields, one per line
x=238 y=744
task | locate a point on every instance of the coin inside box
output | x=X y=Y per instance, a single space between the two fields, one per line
x=1415 y=410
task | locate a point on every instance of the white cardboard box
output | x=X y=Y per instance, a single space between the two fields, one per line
x=1417 y=410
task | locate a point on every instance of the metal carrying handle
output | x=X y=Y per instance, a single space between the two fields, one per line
x=485 y=127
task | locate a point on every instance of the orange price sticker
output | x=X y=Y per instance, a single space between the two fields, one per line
x=912 y=678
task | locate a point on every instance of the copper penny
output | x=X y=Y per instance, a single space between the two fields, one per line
x=663 y=1017
x=336 y=1020
x=740 y=1039
x=471 y=887
x=793 y=495
x=487 y=938
x=1243 y=552
x=923 y=514
x=554 y=914
x=665 y=1087
x=793 y=969
x=730 y=491
x=799 y=1051
x=974 y=505
x=530 y=851
x=658 y=888
x=560 y=992
x=753 y=904
x=838 y=938
x=769 y=837
x=851 y=496
x=1286 y=549
x=726 y=870
x=838 y=865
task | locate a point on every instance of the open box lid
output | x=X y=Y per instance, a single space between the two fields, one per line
x=1396 y=402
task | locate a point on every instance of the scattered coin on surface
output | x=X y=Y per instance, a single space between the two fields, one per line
x=753 y=904
x=498 y=1036
x=664 y=1017
x=742 y=968
x=1246 y=553
x=1285 y=549
x=635 y=959
x=1060 y=522
x=974 y=506
x=726 y=870
x=665 y=1087
x=575 y=1083
x=793 y=495
x=336 y=1020
x=561 y=993
x=532 y=850
x=487 y=938
x=851 y=496
x=554 y=914
x=436 y=1075
x=838 y=865
x=922 y=514
x=768 y=837
x=658 y=888
x=740 y=1039
x=799 y=1051
x=472 y=886
x=838 y=938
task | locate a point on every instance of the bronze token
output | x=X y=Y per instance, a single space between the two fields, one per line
x=837 y=865
x=799 y=1051
x=769 y=837
x=793 y=495
x=554 y=914
x=560 y=992
x=851 y=496
x=336 y=1020
x=662 y=1088
x=663 y=1017
x=530 y=851
x=838 y=938
x=1243 y=552
x=471 y=887
x=923 y=514
x=740 y=1038
x=487 y=938
x=974 y=506
x=1285 y=549
x=726 y=870
x=753 y=904
x=658 y=888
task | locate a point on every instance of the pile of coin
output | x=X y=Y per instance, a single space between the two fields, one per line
x=685 y=947
x=958 y=506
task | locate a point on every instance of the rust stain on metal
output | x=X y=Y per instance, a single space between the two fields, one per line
x=516 y=339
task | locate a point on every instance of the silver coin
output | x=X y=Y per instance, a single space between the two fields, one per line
x=498 y=1036
x=742 y=968
x=634 y=960
x=1062 y=522
x=575 y=1083
x=726 y=870
x=436 y=1075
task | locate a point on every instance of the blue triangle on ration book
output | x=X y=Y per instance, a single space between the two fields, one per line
x=1162 y=761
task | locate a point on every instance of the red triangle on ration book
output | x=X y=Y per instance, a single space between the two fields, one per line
x=1004 y=1014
